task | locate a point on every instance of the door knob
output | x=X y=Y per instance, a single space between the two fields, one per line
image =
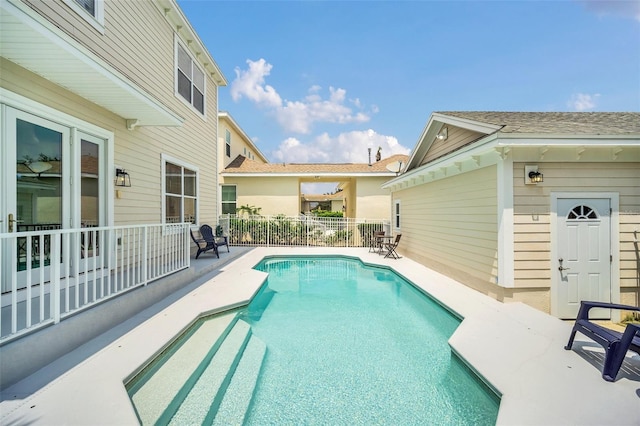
x=11 y=221
x=561 y=268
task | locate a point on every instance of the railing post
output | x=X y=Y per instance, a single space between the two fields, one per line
x=54 y=294
x=145 y=255
x=187 y=253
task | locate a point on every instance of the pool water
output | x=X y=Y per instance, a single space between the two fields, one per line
x=349 y=343
x=327 y=340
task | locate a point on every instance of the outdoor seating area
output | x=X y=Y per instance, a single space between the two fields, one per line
x=385 y=244
x=615 y=344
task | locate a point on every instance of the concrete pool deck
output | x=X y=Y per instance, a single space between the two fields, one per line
x=515 y=348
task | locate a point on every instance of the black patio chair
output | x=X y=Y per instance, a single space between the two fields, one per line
x=615 y=343
x=205 y=243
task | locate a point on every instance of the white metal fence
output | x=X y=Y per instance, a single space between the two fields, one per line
x=308 y=231
x=48 y=275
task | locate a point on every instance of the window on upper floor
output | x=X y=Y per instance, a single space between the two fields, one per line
x=190 y=82
x=229 y=199
x=91 y=10
x=227 y=140
x=180 y=191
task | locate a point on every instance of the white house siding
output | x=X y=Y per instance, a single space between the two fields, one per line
x=532 y=239
x=450 y=225
x=456 y=138
x=139 y=42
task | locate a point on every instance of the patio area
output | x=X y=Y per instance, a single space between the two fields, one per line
x=516 y=349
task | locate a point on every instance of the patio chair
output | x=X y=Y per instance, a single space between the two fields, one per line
x=375 y=244
x=614 y=343
x=391 y=247
x=204 y=245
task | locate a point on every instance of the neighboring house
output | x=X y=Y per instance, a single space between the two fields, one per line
x=542 y=208
x=233 y=142
x=129 y=84
x=275 y=188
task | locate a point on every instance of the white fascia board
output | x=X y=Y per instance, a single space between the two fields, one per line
x=519 y=139
x=464 y=123
x=181 y=25
x=489 y=144
x=99 y=72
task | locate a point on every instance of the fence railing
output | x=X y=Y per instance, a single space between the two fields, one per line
x=243 y=230
x=48 y=275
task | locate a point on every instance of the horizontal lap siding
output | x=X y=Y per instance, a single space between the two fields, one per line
x=532 y=217
x=451 y=225
x=139 y=43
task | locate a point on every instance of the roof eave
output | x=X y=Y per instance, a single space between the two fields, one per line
x=60 y=59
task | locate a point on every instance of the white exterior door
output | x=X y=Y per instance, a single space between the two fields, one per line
x=583 y=266
x=52 y=176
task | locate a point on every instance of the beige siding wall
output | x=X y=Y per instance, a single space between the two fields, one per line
x=274 y=195
x=532 y=219
x=239 y=146
x=372 y=202
x=450 y=225
x=137 y=41
x=457 y=138
x=138 y=151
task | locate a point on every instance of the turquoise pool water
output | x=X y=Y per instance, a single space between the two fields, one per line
x=327 y=341
x=349 y=343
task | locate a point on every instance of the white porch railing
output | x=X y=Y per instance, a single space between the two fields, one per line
x=308 y=231
x=48 y=275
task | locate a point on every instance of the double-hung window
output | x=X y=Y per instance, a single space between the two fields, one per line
x=91 y=10
x=229 y=199
x=396 y=215
x=227 y=140
x=180 y=192
x=189 y=79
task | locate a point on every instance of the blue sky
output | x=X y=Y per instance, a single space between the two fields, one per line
x=322 y=81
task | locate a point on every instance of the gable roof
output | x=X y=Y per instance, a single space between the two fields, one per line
x=561 y=123
x=242 y=166
x=543 y=128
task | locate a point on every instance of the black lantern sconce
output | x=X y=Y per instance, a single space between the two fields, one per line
x=122 y=178
x=532 y=175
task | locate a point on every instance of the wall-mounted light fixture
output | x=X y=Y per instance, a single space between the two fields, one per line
x=443 y=134
x=122 y=178
x=532 y=175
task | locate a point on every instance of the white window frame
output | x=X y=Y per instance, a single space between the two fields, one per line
x=227 y=142
x=169 y=159
x=178 y=45
x=96 y=21
x=222 y=201
x=397 y=211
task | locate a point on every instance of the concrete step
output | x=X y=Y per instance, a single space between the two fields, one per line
x=205 y=394
x=235 y=403
x=152 y=396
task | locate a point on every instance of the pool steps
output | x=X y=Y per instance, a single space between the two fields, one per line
x=213 y=386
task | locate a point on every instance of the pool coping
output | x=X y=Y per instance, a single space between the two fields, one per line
x=515 y=348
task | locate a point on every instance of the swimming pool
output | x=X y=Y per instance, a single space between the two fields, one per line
x=332 y=341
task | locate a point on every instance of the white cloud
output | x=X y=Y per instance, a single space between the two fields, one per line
x=583 y=101
x=251 y=85
x=628 y=8
x=349 y=147
x=296 y=116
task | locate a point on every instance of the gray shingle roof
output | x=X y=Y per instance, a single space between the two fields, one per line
x=574 y=123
